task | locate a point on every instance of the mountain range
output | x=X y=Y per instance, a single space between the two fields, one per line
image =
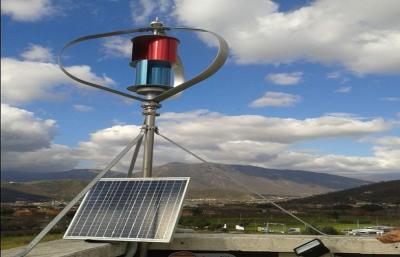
x=11 y=195
x=79 y=174
x=377 y=193
x=217 y=181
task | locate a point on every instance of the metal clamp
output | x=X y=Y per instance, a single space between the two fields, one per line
x=146 y=127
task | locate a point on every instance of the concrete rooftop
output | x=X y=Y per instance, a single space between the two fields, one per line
x=251 y=244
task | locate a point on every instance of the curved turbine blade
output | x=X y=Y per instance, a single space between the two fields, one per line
x=96 y=36
x=217 y=63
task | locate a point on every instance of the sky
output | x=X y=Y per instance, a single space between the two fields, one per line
x=308 y=85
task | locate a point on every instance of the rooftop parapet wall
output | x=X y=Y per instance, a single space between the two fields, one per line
x=282 y=244
x=71 y=248
x=275 y=243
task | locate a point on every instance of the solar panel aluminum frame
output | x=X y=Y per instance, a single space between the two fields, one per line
x=168 y=237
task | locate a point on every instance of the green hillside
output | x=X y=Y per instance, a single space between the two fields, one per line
x=63 y=190
x=10 y=195
x=378 y=193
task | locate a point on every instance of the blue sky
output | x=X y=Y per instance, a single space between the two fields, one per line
x=310 y=85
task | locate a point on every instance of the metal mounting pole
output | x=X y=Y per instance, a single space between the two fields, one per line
x=149 y=111
x=149 y=128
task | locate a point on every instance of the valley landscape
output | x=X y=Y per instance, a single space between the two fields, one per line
x=215 y=199
x=215 y=182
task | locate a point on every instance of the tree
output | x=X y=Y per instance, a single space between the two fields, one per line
x=330 y=230
x=310 y=231
x=372 y=207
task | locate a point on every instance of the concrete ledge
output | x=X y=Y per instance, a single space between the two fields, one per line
x=274 y=243
x=71 y=248
x=282 y=244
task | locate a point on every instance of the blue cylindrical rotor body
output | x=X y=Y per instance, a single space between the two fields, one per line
x=153 y=72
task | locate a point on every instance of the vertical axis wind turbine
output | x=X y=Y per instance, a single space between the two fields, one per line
x=159 y=76
x=156 y=60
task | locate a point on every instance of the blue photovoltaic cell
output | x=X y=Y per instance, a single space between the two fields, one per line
x=134 y=209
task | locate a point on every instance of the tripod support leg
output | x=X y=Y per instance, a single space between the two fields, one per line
x=134 y=157
x=71 y=204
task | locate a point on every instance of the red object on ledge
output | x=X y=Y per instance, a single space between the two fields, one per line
x=154 y=47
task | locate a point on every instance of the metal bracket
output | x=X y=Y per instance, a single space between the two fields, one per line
x=146 y=127
x=150 y=108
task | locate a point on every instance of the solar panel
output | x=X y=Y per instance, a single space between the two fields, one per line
x=129 y=209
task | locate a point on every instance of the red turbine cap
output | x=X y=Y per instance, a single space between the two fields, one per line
x=154 y=47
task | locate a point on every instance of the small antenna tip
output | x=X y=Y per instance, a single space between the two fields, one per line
x=157 y=26
x=156 y=23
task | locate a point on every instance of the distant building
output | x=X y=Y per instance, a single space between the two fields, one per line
x=238 y=227
x=48 y=212
x=23 y=213
x=359 y=204
x=209 y=212
x=187 y=213
x=20 y=203
x=219 y=205
x=293 y=230
x=190 y=205
x=366 y=232
x=381 y=227
x=262 y=229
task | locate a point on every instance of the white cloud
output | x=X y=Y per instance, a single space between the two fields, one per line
x=285 y=78
x=344 y=115
x=363 y=36
x=26 y=81
x=164 y=5
x=383 y=141
x=27 y=10
x=343 y=90
x=117 y=46
x=52 y=159
x=118 y=122
x=280 y=130
x=22 y=131
x=333 y=75
x=391 y=99
x=83 y=108
x=142 y=10
x=26 y=143
x=337 y=164
x=106 y=141
x=248 y=139
x=276 y=99
x=338 y=75
x=37 y=53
